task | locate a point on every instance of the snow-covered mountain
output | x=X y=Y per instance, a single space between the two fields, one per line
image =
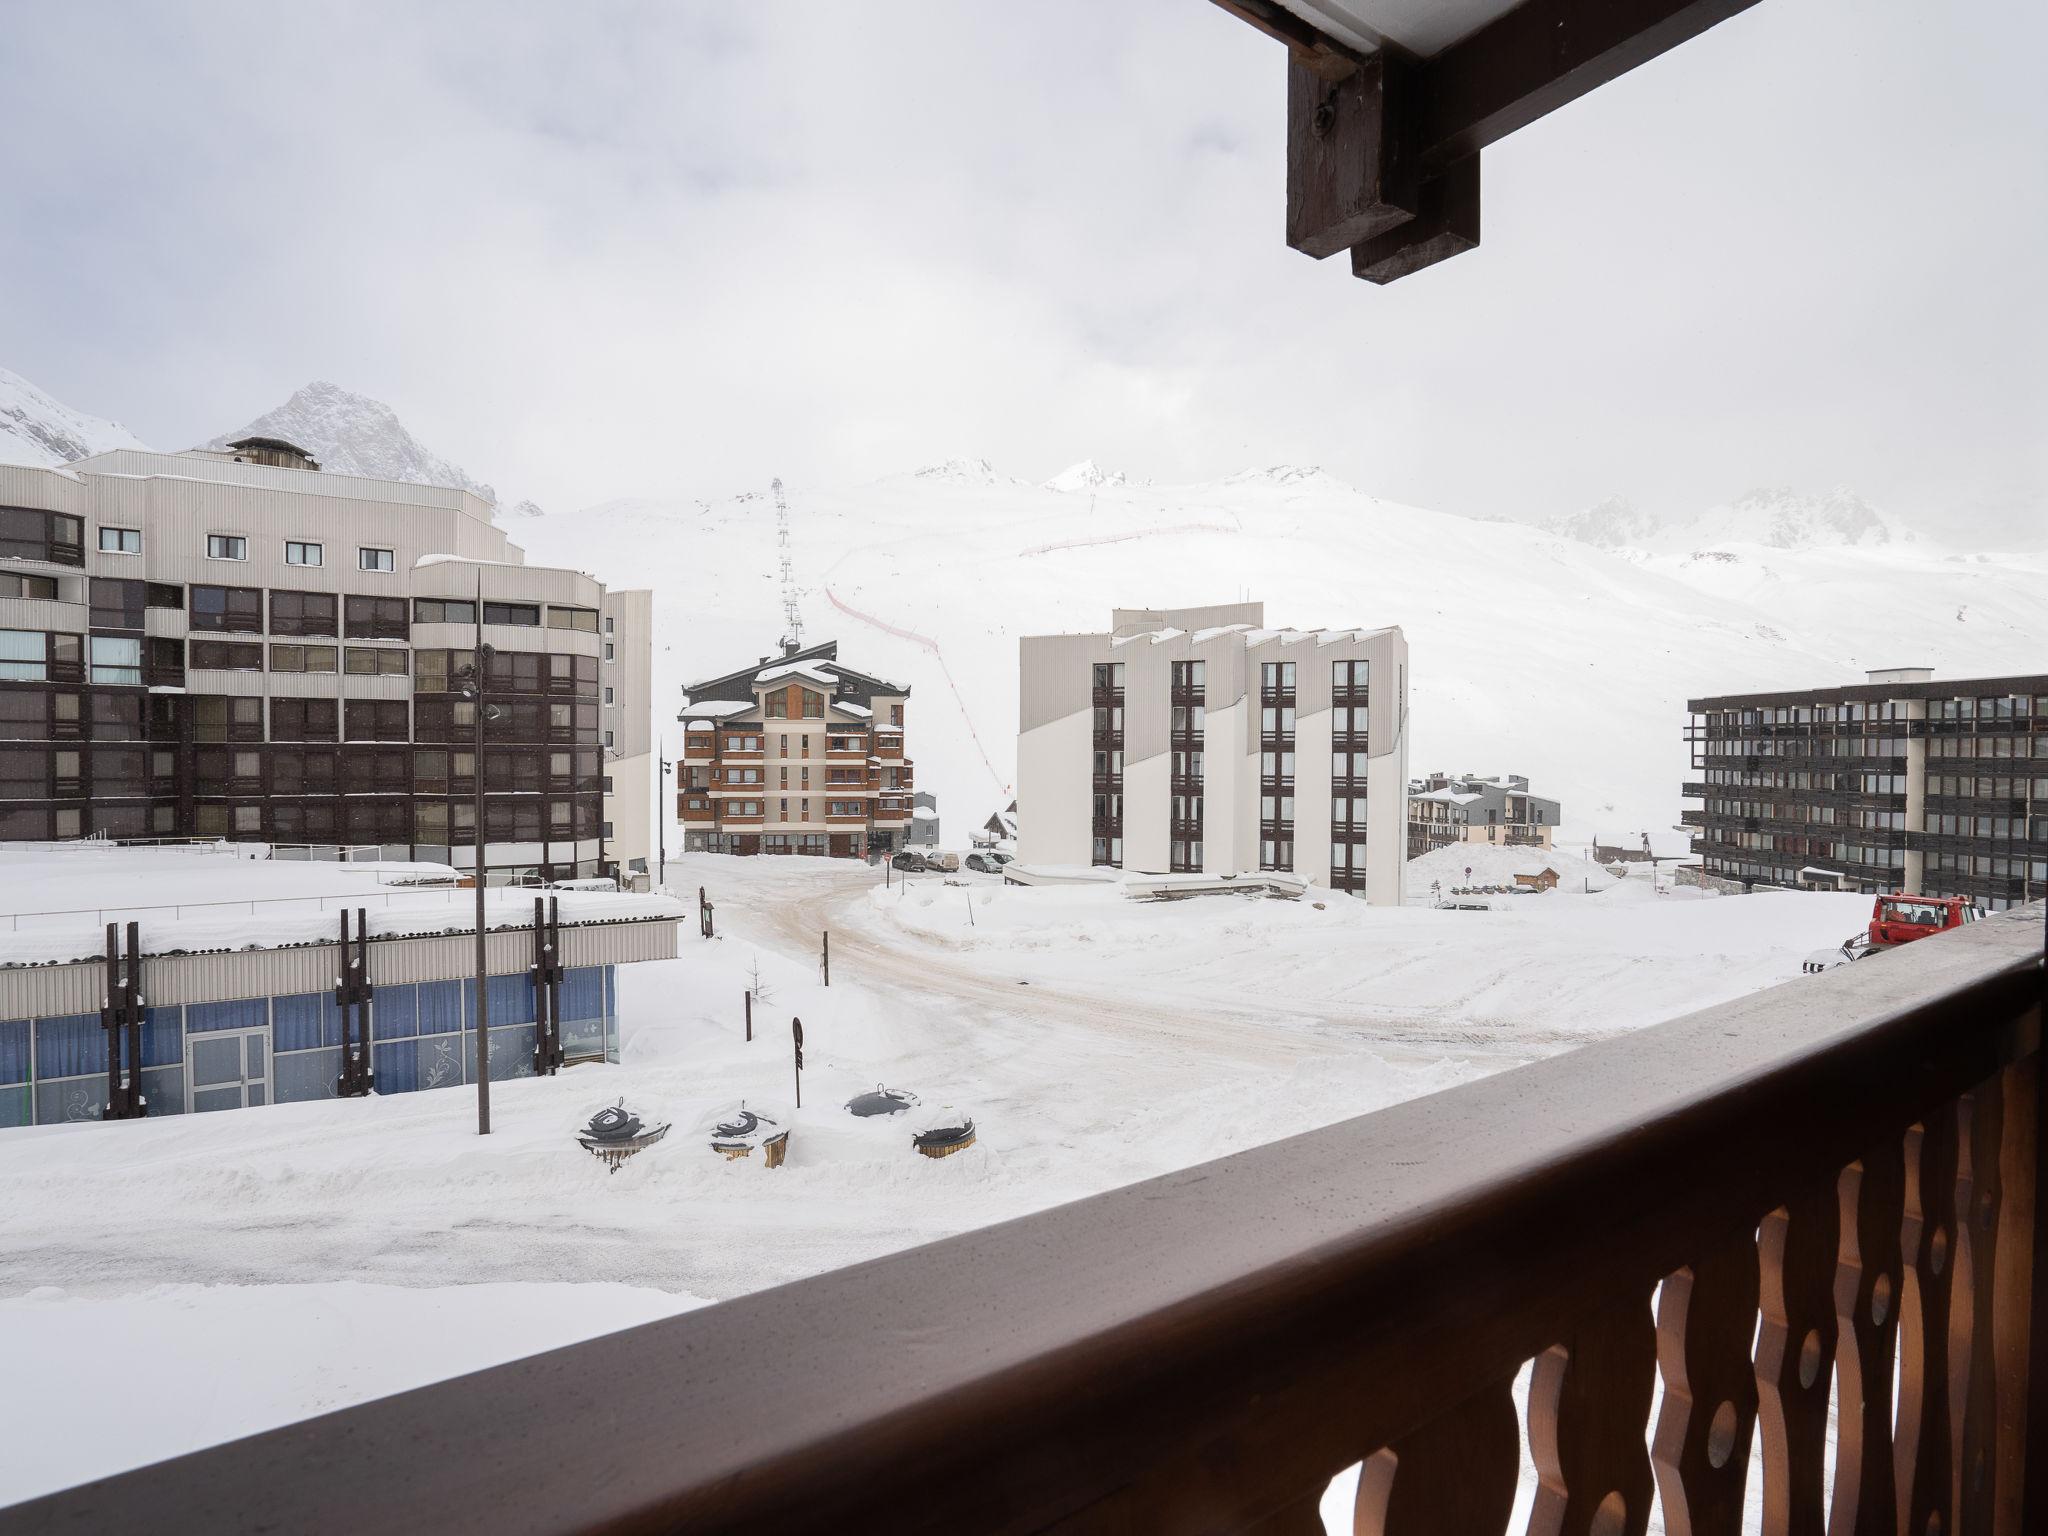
x=38 y=429
x=1084 y=476
x=1530 y=652
x=351 y=434
x=1776 y=518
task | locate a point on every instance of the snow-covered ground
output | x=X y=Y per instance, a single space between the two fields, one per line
x=1095 y=1040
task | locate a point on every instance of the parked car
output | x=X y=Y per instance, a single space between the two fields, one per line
x=935 y=858
x=908 y=859
x=987 y=861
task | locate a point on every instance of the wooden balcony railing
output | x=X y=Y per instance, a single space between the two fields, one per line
x=1842 y=1169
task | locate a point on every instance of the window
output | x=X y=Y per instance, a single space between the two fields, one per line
x=116 y=604
x=527 y=615
x=584 y=619
x=302 y=658
x=435 y=610
x=373 y=559
x=226 y=546
x=814 y=705
x=777 y=707
x=227 y=655
x=29 y=533
x=162 y=594
x=608 y=696
x=301 y=719
x=13 y=585
x=895 y=714
x=116 y=661
x=297 y=553
x=430 y=671
x=610 y=651
x=375 y=720
x=219 y=719
x=120 y=541
x=607 y=740
x=24 y=656
x=375 y=618
x=365 y=661
x=230 y=608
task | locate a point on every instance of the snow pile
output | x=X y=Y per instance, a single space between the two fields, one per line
x=1085 y=476
x=38 y=429
x=351 y=434
x=1494 y=865
x=421 y=1336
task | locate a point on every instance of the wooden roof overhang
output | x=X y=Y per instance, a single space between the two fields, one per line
x=1389 y=103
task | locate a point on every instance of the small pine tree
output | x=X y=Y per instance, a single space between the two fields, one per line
x=763 y=993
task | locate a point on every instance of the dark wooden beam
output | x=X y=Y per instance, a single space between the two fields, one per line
x=1541 y=55
x=1328 y=58
x=1446 y=222
x=1351 y=154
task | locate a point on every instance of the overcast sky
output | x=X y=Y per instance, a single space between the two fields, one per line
x=600 y=251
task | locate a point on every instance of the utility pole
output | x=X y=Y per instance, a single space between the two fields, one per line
x=662 y=806
x=472 y=680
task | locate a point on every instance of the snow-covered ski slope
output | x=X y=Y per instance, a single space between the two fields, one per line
x=1531 y=652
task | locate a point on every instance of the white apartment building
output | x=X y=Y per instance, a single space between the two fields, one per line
x=1199 y=740
x=237 y=644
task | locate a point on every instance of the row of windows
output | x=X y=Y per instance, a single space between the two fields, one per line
x=235 y=546
x=2001 y=828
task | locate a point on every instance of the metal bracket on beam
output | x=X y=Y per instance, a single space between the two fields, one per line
x=352 y=994
x=121 y=1012
x=1446 y=223
x=547 y=985
x=1352 y=153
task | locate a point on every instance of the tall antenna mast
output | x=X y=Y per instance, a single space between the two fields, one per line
x=793 y=621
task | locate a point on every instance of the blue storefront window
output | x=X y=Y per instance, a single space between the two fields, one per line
x=511 y=1001
x=306 y=1075
x=583 y=993
x=70 y=1047
x=394 y=1012
x=440 y=1008
x=163 y=1042
x=13 y=1051
x=397 y=1065
x=243 y=1013
x=16 y=1107
x=305 y=1021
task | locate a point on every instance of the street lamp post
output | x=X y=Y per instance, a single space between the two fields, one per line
x=661 y=810
x=472 y=681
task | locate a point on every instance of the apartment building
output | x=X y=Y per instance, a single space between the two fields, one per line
x=1446 y=808
x=1901 y=782
x=236 y=644
x=1200 y=740
x=798 y=753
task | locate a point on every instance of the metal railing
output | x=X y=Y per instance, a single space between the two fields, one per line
x=1787 y=1192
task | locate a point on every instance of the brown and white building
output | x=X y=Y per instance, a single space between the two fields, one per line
x=1200 y=741
x=798 y=753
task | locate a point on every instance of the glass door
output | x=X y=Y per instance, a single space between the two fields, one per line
x=228 y=1069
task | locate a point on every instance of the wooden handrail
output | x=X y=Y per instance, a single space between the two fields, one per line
x=1203 y=1351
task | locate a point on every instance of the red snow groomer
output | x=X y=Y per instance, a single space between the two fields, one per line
x=1894 y=920
x=1899 y=919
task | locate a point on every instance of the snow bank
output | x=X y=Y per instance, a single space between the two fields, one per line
x=1494 y=865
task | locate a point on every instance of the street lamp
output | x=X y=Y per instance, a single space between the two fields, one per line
x=661 y=809
x=470 y=680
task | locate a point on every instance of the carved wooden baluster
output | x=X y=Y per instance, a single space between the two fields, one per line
x=1795 y=1356
x=1920 y=1437
x=1972 y=1367
x=1706 y=1316
x=1454 y=1476
x=1866 y=1318
x=1588 y=1406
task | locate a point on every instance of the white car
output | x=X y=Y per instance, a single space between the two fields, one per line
x=1827 y=959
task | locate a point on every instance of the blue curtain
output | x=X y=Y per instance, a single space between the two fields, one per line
x=163 y=1044
x=398 y=1066
x=583 y=993
x=70 y=1047
x=305 y=1020
x=243 y=1013
x=440 y=1007
x=395 y=1013
x=13 y=1052
x=511 y=1000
